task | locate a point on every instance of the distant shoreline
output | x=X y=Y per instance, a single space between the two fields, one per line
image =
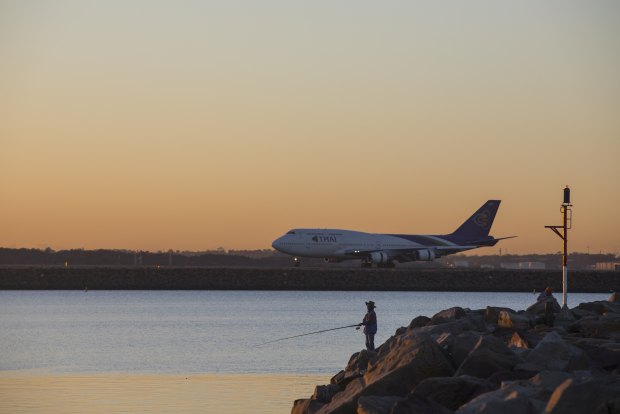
x=337 y=279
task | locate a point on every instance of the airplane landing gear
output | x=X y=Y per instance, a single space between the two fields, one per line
x=366 y=264
x=296 y=262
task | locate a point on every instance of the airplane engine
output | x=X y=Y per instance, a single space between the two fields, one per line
x=426 y=255
x=379 y=257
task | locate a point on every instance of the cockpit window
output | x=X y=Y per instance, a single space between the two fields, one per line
x=291 y=232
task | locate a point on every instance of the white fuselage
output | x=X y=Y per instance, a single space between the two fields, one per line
x=340 y=244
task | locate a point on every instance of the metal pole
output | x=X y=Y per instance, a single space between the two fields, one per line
x=565 y=260
x=565 y=209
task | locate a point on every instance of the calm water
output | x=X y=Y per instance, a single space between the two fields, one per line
x=208 y=332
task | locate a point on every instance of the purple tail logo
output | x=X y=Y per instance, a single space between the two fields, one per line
x=482 y=219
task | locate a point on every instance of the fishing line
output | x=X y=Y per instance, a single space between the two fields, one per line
x=309 y=333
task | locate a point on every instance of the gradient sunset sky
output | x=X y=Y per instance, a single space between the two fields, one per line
x=195 y=124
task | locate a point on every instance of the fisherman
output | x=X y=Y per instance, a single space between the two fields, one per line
x=545 y=294
x=549 y=315
x=370 y=325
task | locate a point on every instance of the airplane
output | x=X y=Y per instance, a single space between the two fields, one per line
x=334 y=245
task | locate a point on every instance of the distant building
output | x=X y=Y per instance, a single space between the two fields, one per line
x=522 y=265
x=609 y=266
x=509 y=265
x=461 y=263
x=487 y=266
x=531 y=265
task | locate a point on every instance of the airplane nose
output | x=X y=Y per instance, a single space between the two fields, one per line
x=277 y=243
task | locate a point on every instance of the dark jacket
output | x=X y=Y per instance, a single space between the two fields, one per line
x=370 y=322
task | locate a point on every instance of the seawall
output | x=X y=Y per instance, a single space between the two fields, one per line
x=171 y=278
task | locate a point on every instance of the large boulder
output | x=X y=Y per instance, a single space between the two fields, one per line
x=605 y=356
x=410 y=360
x=606 y=326
x=543 y=384
x=306 y=406
x=435 y=331
x=452 y=392
x=459 y=346
x=418 y=322
x=565 y=318
x=514 y=320
x=418 y=404
x=357 y=366
x=585 y=395
x=489 y=356
x=492 y=313
x=553 y=353
x=518 y=340
x=600 y=307
x=373 y=404
x=324 y=393
x=447 y=315
x=509 y=400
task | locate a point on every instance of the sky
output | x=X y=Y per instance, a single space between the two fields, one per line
x=192 y=125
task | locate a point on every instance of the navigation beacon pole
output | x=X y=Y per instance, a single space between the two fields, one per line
x=567 y=214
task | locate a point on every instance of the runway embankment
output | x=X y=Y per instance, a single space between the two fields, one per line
x=236 y=278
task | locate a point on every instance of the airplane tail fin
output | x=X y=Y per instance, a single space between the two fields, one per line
x=479 y=224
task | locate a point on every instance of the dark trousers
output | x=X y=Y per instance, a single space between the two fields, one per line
x=370 y=342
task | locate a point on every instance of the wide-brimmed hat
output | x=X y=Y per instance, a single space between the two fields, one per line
x=371 y=304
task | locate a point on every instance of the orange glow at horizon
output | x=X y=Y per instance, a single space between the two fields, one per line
x=154 y=126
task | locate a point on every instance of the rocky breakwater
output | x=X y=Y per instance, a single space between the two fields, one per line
x=494 y=360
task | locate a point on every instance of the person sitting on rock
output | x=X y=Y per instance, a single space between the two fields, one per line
x=545 y=294
x=370 y=325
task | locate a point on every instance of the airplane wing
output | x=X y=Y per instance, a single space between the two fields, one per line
x=364 y=252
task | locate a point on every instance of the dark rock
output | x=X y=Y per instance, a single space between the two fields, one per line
x=324 y=393
x=605 y=326
x=599 y=307
x=372 y=404
x=306 y=406
x=585 y=395
x=447 y=315
x=507 y=376
x=459 y=346
x=553 y=353
x=492 y=313
x=357 y=366
x=583 y=313
x=419 y=322
x=514 y=320
x=410 y=360
x=488 y=356
x=518 y=341
x=509 y=400
x=543 y=384
x=477 y=321
x=435 y=331
x=452 y=392
x=614 y=298
x=416 y=404
x=565 y=318
x=605 y=356
x=400 y=331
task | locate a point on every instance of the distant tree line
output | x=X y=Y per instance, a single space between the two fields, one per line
x=105 y=257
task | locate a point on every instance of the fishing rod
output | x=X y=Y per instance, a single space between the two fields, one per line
x=309 y=333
